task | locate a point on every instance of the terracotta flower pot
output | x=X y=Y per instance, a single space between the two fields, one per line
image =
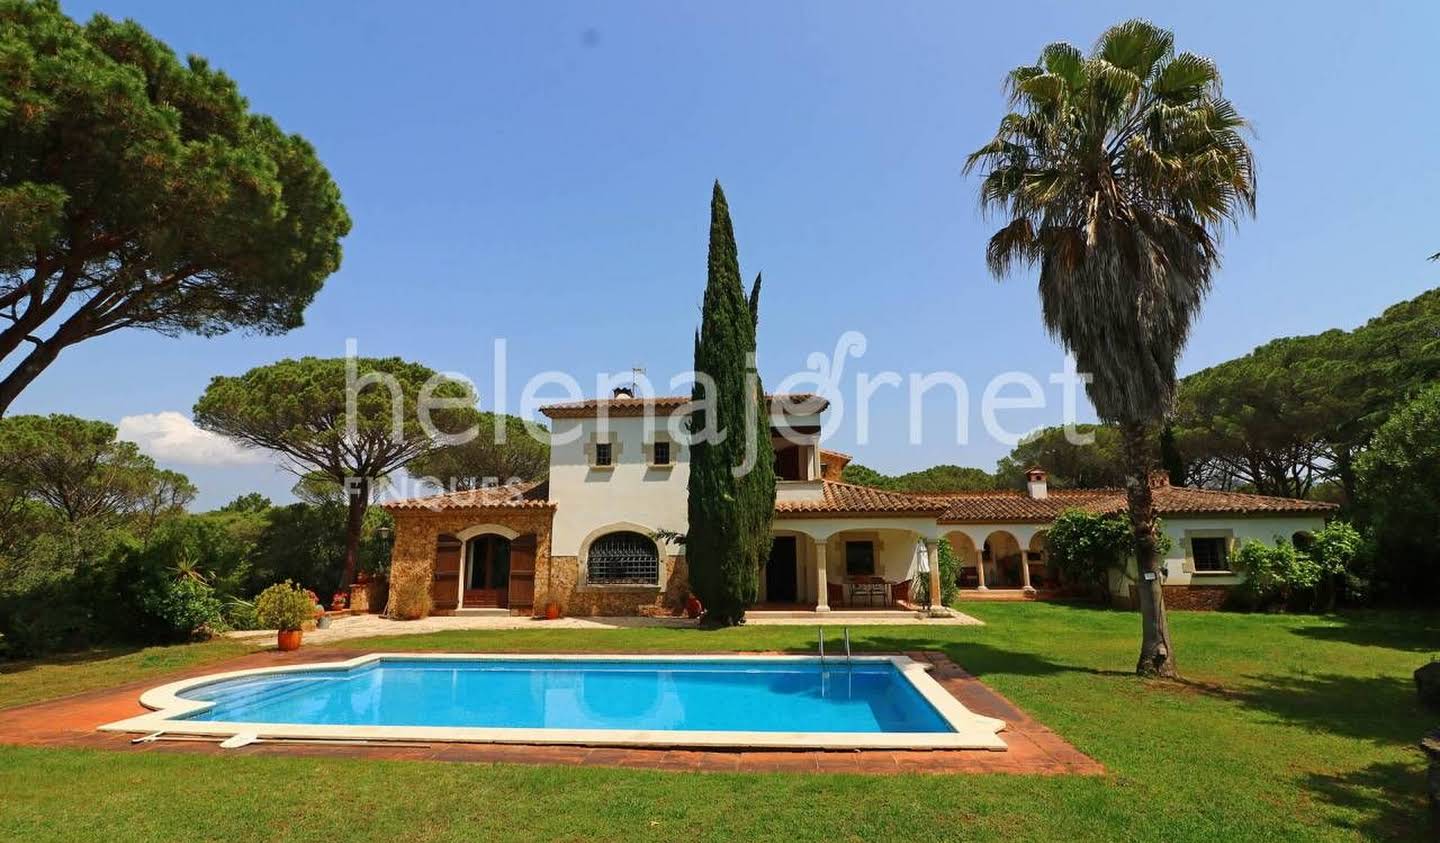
x=288 y=639
x=552 y=611
x=693 y=607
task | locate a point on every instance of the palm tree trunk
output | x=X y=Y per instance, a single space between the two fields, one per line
x=1157 y=658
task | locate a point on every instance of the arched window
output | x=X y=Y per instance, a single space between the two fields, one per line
x=623 y=558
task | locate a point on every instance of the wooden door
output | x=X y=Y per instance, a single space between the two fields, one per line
x=445 y=588
x=522 y=572
x=487 y=573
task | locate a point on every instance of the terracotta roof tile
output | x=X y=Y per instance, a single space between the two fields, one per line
x=848 y=499
x=803 y=402
x=1015 y=505
x=513 y=496
x=1174 y=500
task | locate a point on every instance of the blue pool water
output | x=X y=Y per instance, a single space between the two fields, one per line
x=748 y=696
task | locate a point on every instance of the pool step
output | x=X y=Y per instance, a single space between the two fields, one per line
x=239 y=739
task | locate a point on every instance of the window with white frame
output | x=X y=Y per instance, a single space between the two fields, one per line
x=1211 y=554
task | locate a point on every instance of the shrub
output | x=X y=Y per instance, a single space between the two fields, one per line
x=240 y=614
x=1086 y=547
x=182 y=609
x=63 y=593
x=1398 y=479
x=1283 y=575
x=1273 y=572
x=949 y=577
x=284 y=606
x=1337 y=549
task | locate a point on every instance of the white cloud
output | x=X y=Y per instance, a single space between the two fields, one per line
x=173 y=437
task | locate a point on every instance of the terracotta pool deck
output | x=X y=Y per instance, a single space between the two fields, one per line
x=72 y=722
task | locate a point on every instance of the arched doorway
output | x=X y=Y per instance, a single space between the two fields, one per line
x=485 y=566
x=1002 y=559
x=967 y=572
x=486 y=580
x=1042 y=573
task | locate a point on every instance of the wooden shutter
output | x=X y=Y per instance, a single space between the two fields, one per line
x=522 y=572
x=445 y=589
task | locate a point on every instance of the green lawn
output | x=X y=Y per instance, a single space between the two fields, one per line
x=24 y=682
x=1287 y=728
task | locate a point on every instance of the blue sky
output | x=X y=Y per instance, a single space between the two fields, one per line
x=541 y=172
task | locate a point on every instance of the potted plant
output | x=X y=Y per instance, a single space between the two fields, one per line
x=693 y=609
x=340 y=601
x=286 y=607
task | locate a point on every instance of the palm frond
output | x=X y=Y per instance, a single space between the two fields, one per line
x=1011 y=244
x=1066 y=61
x=1116 y=172
x=1135 y=45
x=1186 y=78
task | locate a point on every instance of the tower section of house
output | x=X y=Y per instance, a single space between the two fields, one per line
x=619 y=473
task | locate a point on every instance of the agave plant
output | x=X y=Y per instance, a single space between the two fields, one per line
x=186 y=568
x=1117 y=172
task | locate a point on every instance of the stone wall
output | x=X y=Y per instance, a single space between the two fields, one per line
x=412 y=559
x=1191 y=598
x=368 y=597
x=558 y=582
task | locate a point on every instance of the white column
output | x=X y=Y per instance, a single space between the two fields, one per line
x=1025 y=572
x=937 y=594
x=980 y=566
x=822 y=587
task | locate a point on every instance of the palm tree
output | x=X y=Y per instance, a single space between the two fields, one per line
x=1117 y=172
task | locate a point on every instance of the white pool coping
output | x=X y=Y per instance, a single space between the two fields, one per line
x=971 y=730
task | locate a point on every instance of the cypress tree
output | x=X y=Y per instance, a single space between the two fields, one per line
x=730 y=503
x=758 y=484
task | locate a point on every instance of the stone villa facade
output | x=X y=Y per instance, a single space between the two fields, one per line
x=583 y=540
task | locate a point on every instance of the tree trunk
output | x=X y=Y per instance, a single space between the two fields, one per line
x=359 y=501
x=1345 y=467
x=1157 y=658
x=27 y=371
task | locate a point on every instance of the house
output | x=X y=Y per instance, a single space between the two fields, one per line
x=590 y=538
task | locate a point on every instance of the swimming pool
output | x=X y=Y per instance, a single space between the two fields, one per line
x=741 y=701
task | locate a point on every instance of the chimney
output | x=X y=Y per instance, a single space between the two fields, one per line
x=1035 y=483
x=1159 y=479
x=623 y=392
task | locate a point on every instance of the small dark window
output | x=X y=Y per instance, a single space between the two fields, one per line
x=602 y=453
x=859 y=559
x=661 y=453
x=1211 y=554
x=623 y=558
